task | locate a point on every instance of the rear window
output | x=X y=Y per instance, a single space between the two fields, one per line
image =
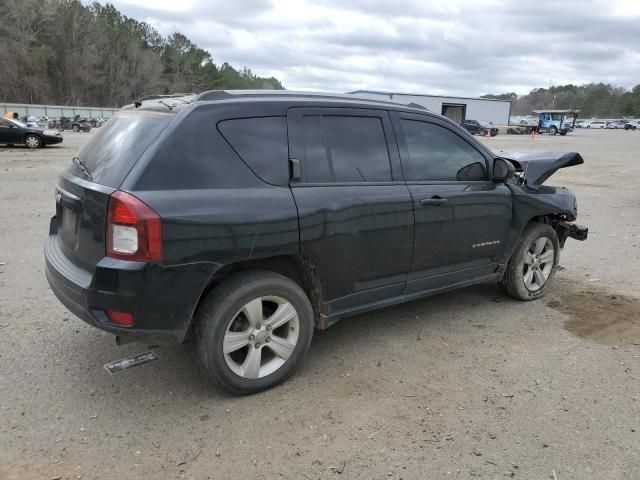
x=262 y=144
x=116 y=147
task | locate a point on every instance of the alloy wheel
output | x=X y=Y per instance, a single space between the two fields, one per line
x=261 y=337
x=538 y=263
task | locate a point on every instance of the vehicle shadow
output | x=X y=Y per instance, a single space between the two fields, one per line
x=178 y=370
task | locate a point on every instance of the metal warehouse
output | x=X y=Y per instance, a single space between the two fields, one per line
x=457 y=109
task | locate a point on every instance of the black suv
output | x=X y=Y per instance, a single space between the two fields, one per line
x=243 y=220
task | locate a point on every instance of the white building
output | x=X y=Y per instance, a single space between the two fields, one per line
x=457 y=109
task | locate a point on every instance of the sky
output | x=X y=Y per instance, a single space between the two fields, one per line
x=451 y=47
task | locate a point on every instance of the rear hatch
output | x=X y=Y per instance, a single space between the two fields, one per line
x=83 y=191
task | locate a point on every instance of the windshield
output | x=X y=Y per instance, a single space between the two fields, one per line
x=111 y=154
x=16 y=123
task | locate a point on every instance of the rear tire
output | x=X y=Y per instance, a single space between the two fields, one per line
x=76 y=128
x=482 y=132
x=242 y=343
x=533 y=264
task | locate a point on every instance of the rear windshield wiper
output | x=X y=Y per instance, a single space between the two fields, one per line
x=170 y=107
x=78 y=163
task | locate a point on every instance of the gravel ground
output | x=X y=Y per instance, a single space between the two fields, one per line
x=469 y=384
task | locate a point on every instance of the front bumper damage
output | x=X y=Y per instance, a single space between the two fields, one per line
x=566 y=230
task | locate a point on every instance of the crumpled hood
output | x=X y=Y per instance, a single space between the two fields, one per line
x=538 y=166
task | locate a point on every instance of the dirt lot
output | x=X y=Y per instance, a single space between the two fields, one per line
x=469 y=384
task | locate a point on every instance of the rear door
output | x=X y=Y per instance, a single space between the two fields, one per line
x=461 y=217
x=471 y=126
x=356 y=218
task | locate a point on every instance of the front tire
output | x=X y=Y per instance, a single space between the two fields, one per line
x=533 y=264
x=553 y=131
x=32 y=141
x=253 y=330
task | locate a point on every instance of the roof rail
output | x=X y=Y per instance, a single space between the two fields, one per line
x=158 y=96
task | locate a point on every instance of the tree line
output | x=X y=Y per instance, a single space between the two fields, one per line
x=64 y=52
x=593 y=100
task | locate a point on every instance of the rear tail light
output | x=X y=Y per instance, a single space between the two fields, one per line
x=124 y=319
x=134 y=230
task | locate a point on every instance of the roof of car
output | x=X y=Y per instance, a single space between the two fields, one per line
x=293 y=95
x=230 y=96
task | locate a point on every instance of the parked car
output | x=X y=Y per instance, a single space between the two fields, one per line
x=616 y=124
x=631 y=125
x=76 y=124
x=581 y=124
x=597 y=124
x=13 y=132
x=96 y=122
x=244 y=220
x=481 y=128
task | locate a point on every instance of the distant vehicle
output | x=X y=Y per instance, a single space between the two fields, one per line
x=616 y=124
x=13 y=132
x=556 y=121
x=597 y=124
x=77 y=124
x=96 y=122
x=480 y=128
x=581 y=124
x=521 y=128
x=632 y=125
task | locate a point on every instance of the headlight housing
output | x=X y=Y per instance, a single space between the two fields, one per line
x=51 y=133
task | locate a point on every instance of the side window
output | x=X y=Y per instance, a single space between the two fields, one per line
x=436 y=153
x=344 y=149
x=262 y=144
x=4 y=123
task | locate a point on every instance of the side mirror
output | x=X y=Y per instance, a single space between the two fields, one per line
x=503 y=170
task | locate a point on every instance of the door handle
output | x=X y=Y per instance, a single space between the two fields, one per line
x=433 y=202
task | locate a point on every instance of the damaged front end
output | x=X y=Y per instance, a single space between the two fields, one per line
x=554 y=205
x=534 y=168
x=566 y=229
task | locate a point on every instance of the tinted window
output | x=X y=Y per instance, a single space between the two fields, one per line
x=262 y=144
x=436 y=153
x=114 y=150
x=345 y=149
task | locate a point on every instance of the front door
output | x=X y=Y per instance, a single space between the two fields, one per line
x=355 y=212
x=462 y=218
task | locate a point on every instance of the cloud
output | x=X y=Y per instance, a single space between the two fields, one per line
x=458 y=47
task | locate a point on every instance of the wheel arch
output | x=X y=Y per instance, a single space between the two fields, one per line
x=553 y=220
x=298 y=268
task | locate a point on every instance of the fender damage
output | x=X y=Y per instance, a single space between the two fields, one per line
x=555 y=205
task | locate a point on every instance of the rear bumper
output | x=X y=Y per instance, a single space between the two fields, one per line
x=161 y=299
